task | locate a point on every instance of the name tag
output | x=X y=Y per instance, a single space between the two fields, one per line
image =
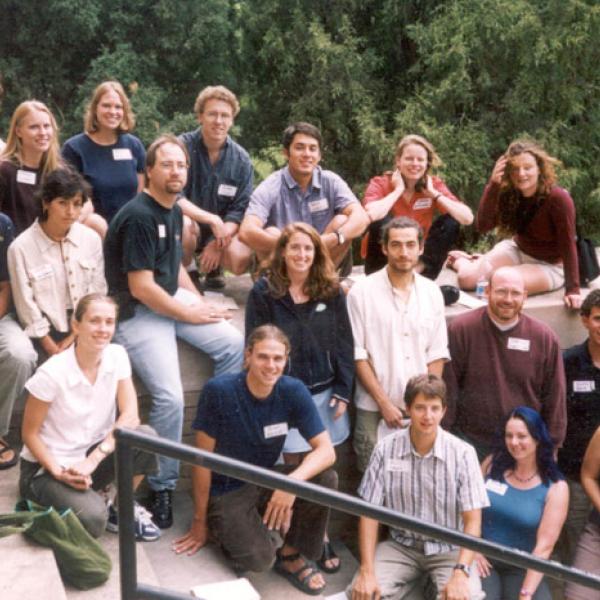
x=584 y=386
x=42 y=272
x=397 y=465
x=26 y=177
x=496 y=486
x=318 y=205
x=227 y=190
x=162 y=230
x=122 y=154
x=275 y=430
x=422 y=204
x=518 y=344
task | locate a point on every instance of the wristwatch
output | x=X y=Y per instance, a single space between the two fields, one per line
x=105 y=448
x=340 y=237
x=462 y=567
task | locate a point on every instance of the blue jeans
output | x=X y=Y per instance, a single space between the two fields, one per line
x=151 y=342
x=505 y=581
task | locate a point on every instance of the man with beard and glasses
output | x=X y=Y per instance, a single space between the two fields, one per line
x=399 y=330
x=502 y=359
x=159 y=303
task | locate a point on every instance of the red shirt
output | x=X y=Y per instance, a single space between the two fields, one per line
x=421 y=207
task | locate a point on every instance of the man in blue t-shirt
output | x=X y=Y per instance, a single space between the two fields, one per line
x=159 y=304
x=218 y=189
x=247 y=416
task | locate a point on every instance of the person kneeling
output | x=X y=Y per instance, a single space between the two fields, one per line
x=247 y=416
x=69 y=419
x=423 y=472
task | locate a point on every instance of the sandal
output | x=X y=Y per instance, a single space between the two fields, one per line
x=4 y=448
x=328 y=554
x=300 y=583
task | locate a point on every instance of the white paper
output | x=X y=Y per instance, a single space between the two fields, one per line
x=236 y=589
x=469 y=301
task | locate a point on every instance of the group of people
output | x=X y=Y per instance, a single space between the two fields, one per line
x=108 y=240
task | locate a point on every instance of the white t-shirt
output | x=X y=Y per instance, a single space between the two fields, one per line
x=80 y=414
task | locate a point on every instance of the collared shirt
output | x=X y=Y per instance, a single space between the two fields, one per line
x=583 y=407
x=47 y=277
x=435 y=488
x=399 y=340
x=80 y=414
x=224 y=188
x=279 y=200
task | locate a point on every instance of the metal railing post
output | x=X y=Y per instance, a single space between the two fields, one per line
x=127 y=557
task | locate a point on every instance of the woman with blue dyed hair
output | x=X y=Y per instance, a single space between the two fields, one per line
x=528 y=505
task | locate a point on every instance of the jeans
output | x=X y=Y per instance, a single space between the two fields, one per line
x=17 y=362
x=506 y=581
x=151 y=342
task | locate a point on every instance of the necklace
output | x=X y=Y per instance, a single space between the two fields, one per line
x=523 y=480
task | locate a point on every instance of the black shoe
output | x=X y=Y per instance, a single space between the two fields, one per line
x=197 y=280
x=160 y=504
x=214 y=280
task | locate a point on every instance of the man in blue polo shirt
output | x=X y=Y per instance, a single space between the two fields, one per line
x=302 y=191
x=218 y=188
x=247 y=416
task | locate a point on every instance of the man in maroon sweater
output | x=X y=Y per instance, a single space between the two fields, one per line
x=501 y=359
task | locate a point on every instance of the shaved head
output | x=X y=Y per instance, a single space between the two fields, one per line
x=506 y=295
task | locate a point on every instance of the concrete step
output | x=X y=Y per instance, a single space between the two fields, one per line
x=29 y=571
x=209 y=565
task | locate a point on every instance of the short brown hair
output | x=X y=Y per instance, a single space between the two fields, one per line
x=592 y=300
x=216 y=92
x=431 y=386
x=400 y=223
x=300 y=127
x=167 y=138
x=90 y=123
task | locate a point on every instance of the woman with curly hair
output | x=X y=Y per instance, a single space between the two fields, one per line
x=523 y=200
x=300 y=294
x=106 y=153
x=529 y=499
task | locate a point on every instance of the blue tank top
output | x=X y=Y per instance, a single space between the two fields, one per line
x=514 y=515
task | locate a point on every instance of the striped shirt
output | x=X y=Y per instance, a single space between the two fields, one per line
x=435 y=488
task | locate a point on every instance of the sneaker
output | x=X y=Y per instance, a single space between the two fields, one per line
x=214 y=280
x=144 y=528
x=160 y=505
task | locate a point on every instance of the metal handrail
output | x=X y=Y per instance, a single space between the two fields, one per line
x=131 y=589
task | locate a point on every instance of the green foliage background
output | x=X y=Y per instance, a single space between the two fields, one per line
x=471 y=75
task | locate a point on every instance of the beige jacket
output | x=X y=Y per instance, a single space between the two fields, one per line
x=47 y=277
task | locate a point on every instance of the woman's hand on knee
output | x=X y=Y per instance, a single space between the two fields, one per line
x=573 y=301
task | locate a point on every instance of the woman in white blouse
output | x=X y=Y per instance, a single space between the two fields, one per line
x=76 y=400
x=55 y=262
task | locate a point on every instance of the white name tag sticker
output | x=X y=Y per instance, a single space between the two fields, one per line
x=496 y=486
x=162 y=230
x=518 y=344
x=275 y=430
x=227 y=190
x=318 y=205
x=122 y=154
x=26 y=177
x=584 y=386
x=42 y=272
x=398 y=466
x=422 y=204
